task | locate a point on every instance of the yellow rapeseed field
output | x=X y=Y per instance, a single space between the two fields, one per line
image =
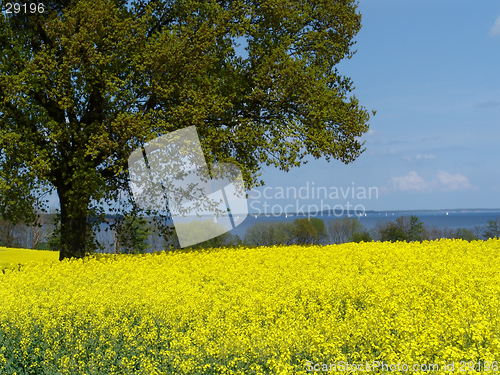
x=269 y=310
x=10 y=257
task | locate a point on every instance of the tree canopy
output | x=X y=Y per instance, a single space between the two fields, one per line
x=406 y=228
x=85 y=83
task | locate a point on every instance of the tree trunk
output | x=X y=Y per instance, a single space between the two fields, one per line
x=74 y=233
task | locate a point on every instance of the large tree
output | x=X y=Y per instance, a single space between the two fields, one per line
x=85 y=83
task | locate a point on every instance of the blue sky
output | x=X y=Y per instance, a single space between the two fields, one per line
x=431 y=70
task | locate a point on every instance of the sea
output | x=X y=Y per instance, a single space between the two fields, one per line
x=451 y=219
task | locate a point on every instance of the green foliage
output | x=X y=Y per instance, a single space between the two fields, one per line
x=362 y=236
x=392 y=232
x=55 y=237
x=54 y=240
x=406 y=228
x=464 y=234
x=412 y=227
x=344 y=229
x=301 y=231
x=8 y=235
x=86 y=82
x=320 y=228
x=493 y=229
x=304 y=231
x=269 y=234
x=132 y=234
x=43 y=246
x=434 y=232
x=309 y=231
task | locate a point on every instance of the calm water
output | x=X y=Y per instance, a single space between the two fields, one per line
x=451 y=219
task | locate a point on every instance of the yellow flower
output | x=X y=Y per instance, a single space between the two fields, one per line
x=254 y=311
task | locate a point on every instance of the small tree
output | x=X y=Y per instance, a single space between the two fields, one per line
x=309 y=231
x=406 y=228
x=412 y=227
x=493 y=229
x=156 y=240
x=376 y=231
x=392 y=232
x=320 y=228
x=478 y=231
x=36 y=233
x=363 y=236
x=132 y=235
x=304 y=232
x=269 y=234
x=54 y=240
x=435 y=232
x=23 y=235
x=464 y=234
x=32 y=236
x=342 y=230
x=54 y=237
x=9 y=233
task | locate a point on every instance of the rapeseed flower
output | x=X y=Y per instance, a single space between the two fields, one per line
x=267 y=310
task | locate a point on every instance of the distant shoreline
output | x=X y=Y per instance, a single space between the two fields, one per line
x=353 y=213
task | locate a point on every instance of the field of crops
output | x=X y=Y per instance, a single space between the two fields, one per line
x=279 y=310
x=10 y=258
